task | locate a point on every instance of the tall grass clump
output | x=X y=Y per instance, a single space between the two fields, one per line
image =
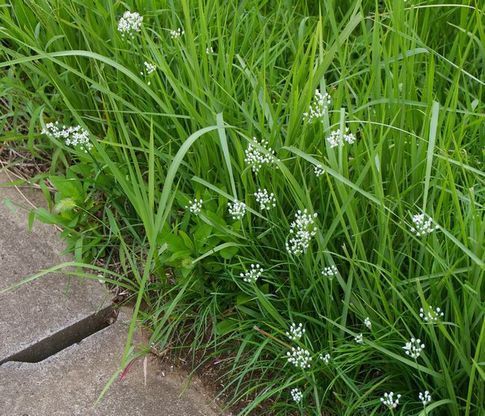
x=293 y=187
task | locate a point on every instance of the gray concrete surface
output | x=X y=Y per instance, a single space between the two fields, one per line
x=37 y=311
x=54 y=310
x=68 y=383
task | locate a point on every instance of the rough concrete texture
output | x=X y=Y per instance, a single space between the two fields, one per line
x=34 y=312
x=68 y=383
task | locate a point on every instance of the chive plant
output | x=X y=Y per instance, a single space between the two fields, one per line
x=294 y=186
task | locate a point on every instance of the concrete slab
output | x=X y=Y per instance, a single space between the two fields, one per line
x=68 y=383
x=46 y=312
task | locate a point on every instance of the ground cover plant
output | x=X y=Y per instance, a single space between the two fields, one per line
x=294 y=188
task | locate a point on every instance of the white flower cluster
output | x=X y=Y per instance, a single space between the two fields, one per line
x=301 y=232
x=209 y=50
x=368 y=323
x=149 y=67
x=296 y=394
x=423 y=225
x=359 y=339
x=295 y=332
x=329 y=271
x=318 y=170
x=432 y=315
x=338 y=138
x=299 y=357
x=265 y=199
x=236 y=209
x=389 y=401
x=253 y=274
x=325 y=358
x=425 y=397
x=257 y=158
x=413 y=348
x=318 y=107
x=195 y=206
x=73 y=136
x=130 y=23
x=177 y=33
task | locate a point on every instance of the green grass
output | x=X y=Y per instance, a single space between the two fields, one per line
x=407 y=78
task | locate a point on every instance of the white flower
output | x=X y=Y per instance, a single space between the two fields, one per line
x=209 y=50
x=295 y=332
x=130 y=23
x=237 y=209
x=432 y=315
x=389 y=400
x=301 y=232
x=257 y=157
x=329 y=271
x=422 y=225
x=195 y=206
x=337 y=138
x=368 y=323
x=359 y=339
x=425 y=397
x=334 y=139
x=318 y=170
x=299 y=357
x=325 y=358
x=349 y=137
x=413 y=348
x=253 y=274
x=177 y=33
x=73 y=136
x=265 y=199
x=149 y=67
x=318 y=107
x=296 y=394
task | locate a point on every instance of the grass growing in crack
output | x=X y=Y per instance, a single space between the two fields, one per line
x=215 y=103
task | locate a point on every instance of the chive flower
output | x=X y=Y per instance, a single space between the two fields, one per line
x=130 y=23
x=295 y=332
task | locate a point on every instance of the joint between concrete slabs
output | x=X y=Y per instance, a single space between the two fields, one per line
x=63 y=338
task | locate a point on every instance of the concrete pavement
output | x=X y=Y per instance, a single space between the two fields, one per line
x=57 y=349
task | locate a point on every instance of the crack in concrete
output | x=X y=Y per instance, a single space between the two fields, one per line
x=64 y=338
